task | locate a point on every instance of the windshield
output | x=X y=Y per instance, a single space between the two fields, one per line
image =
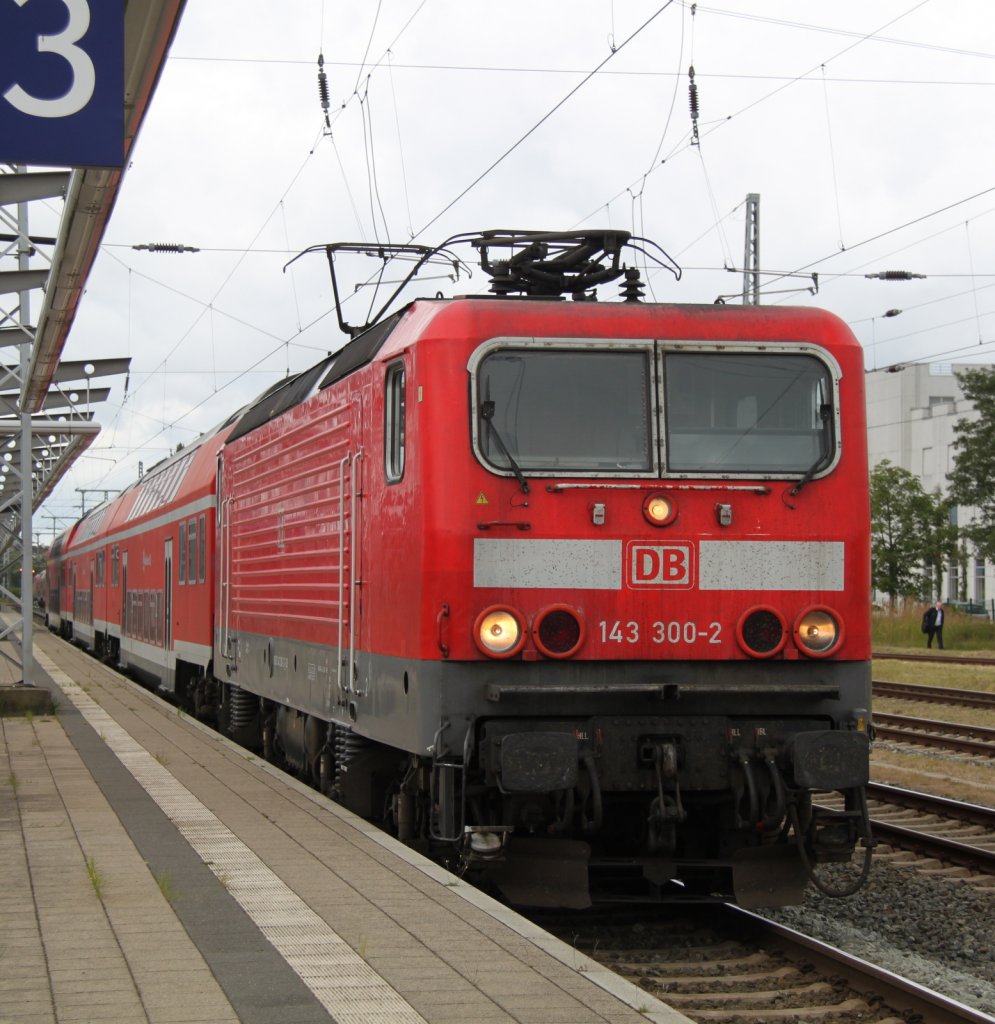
x=650 y=410
x=564 y=409
x=751 y=412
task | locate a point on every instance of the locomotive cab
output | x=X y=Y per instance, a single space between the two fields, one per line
x=664 y=628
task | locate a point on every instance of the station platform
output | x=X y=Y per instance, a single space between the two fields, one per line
x=151 y=871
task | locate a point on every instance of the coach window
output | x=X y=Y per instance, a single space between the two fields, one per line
x=182 y=546
x=394 y=423
x=201 y=548
x=115 y=565
x=192 y=551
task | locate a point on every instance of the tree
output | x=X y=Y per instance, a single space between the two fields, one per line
x=972 y=480
x=899 y=505
x=938 y=536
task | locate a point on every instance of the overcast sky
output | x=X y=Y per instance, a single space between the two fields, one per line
x=866 y=129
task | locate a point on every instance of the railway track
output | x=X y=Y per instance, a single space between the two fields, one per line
x=934 y=827
x=964 y=739
x=723 y=964
x=948 y=659
x=934 y=694
x=947 y=830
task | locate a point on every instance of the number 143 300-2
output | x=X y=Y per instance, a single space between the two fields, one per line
x=660 y=632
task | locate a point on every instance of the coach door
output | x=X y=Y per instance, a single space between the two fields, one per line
x=125 y=624
x=167 y=600
x=222 y=512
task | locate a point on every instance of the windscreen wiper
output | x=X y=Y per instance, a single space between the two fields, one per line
x=487 y=415
x=824 y=412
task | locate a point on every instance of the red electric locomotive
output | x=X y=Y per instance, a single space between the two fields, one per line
x=574 y=593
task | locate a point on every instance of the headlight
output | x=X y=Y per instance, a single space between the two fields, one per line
x=818 y=632
x=659 y=509
x=498 y=632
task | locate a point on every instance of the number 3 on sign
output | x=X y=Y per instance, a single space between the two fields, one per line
x=63 y=44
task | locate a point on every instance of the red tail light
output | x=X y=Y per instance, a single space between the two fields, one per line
x=762 y=632
x=558 y=631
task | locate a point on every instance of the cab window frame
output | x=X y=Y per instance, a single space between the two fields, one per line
x=395 y=422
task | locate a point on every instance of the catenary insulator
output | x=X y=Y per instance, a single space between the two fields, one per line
x=632 y=287
x=693 y=100
x=323 y=88
x=166 y=247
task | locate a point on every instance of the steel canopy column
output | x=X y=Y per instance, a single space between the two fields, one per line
x=27 y=486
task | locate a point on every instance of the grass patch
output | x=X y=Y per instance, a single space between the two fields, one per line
x=963 y=633
x=936 y=772
x=96 y=878
x=958 y=677
x=165 y=882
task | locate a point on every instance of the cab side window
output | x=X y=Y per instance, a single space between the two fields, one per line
x=394 y=422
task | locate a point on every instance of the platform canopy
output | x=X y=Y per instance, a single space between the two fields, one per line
x=46 y=405
x=55 y=393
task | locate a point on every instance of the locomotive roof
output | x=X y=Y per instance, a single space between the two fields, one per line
x=293 y=390
x=526 y=314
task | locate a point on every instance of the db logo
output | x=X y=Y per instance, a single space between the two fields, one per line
x=660 y=565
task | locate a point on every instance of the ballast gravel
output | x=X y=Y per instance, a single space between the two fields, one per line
x=937 y=931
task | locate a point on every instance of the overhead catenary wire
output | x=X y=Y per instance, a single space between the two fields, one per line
x=718 y=124
x=899 y=227
x=496 y=163
x=639 y=206
x=673 y=103
x=373 y=186
x=366 y=53
x=832 y=158
x=400 y=148
x=974 y=290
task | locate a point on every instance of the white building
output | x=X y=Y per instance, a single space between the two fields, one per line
x=911 y=414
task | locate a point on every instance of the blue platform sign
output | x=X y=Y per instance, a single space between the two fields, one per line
x=62 y=82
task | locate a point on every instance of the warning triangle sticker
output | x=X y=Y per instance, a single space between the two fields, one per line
x=482 y=499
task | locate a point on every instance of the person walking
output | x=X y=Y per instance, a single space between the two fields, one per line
x=934 y=625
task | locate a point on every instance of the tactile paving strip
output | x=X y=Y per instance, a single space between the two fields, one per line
x=351 y=991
